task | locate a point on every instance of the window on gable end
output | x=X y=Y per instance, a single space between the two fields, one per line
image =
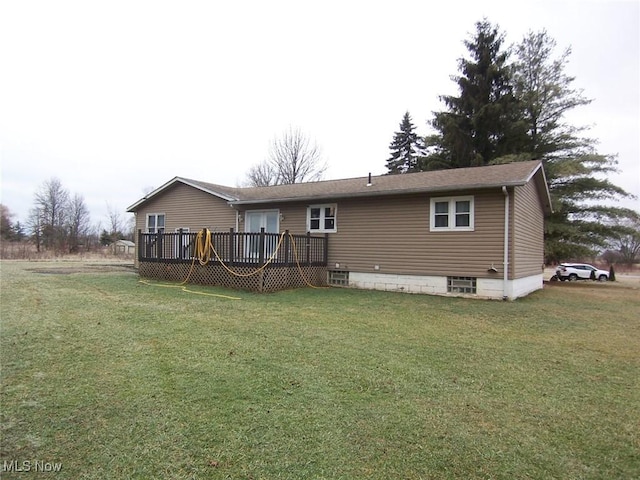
x=155 y=223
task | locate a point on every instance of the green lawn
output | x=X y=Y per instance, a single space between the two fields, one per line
x=116 y=379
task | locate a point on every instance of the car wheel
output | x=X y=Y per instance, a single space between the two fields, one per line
x=603 y=278
x=573 y=277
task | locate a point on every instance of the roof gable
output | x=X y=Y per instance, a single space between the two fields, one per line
x=220 y=191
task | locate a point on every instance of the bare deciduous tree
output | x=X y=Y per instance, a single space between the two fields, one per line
x=292 y=158
x=296 y=158
x=130 y=228
x=51 y=203
x=262 y=175
x=115 y=220
x=34 y=226
x=627 y=242
x=78 y=222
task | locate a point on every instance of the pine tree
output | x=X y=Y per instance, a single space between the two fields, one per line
x=510 y=112
x=406 y=149
x=18 y=232
x=484 y=122
x=546 y=94
x=6 y=225
x=575 y=171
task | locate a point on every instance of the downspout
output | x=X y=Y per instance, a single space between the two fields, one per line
x=505 y=261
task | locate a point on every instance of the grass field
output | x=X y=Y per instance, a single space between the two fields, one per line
x=115 y=379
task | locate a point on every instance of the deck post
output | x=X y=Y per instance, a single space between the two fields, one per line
x=159 y=245
x=308 y=249
x=139 y=245
x=286 y=248
x=261 y=247
x=180 y=245
x=325 y=254
x=232 y=247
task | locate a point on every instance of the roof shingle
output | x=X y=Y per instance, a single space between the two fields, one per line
x=517 y=173
x=511 y=174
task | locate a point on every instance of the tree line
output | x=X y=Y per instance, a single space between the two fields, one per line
x=60 y=222
x=511 y=106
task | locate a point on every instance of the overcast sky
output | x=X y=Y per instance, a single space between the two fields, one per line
x=117 y=97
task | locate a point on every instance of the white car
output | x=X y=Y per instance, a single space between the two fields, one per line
x=580 y=271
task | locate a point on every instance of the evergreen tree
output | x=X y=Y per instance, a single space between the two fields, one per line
x=18 y=232
x=484 y=122
x=511 y=112
x=9 y=231
x=106 y=238
x=545 y=93
x=575 y=171
x=6 y=225
x=405 y=149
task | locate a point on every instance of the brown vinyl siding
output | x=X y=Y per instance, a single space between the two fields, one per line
x=187 y=207
x=393 y=233
x=293 y=217
x=528 y=232
x=389 y=231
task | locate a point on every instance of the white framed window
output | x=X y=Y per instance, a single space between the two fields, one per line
x=322 y=218
x=452 y=214
x=155 y=223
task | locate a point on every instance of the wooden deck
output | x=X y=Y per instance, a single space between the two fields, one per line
x=262 y=262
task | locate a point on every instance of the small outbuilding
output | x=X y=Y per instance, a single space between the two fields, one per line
x=123 y=247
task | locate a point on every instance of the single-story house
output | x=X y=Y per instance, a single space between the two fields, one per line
x=470 y=231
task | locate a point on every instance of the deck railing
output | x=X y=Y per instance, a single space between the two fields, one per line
x=235 y=248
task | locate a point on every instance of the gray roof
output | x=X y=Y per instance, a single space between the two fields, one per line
x=492 y=176
x=127 y=243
